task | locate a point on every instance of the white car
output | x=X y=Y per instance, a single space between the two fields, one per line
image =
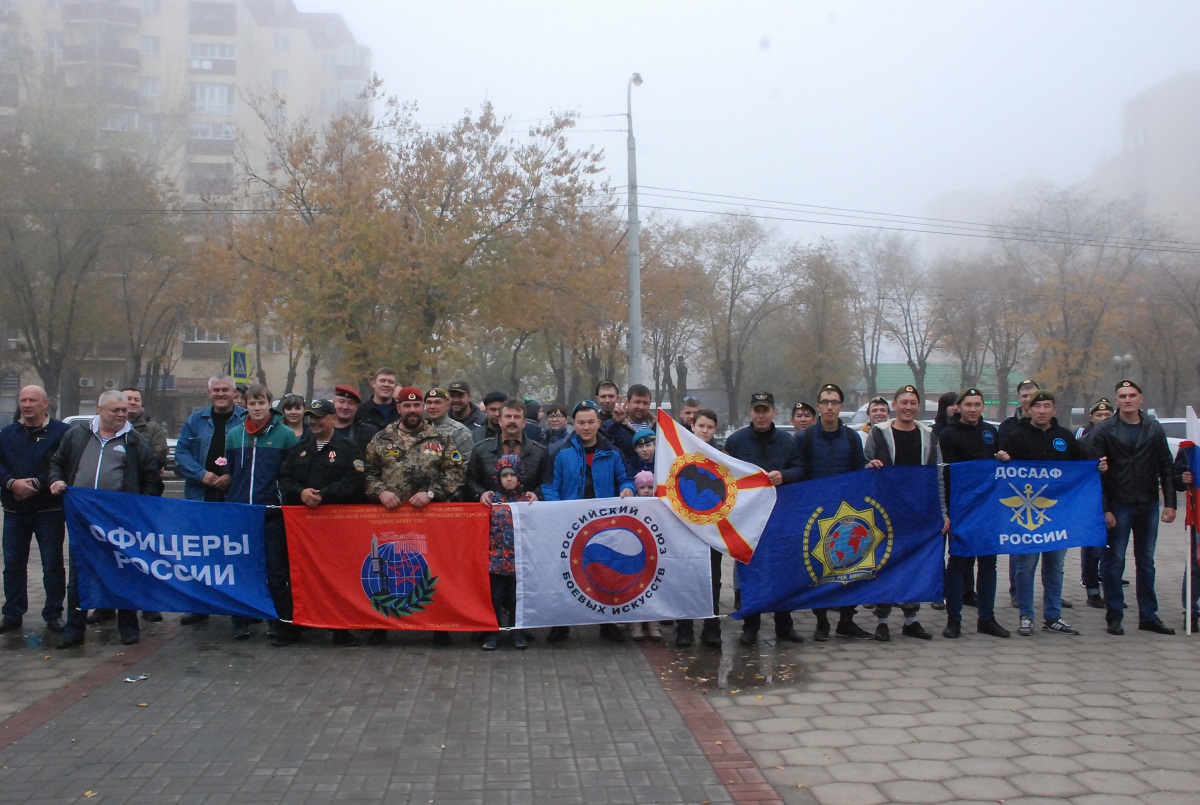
x=1176 y=430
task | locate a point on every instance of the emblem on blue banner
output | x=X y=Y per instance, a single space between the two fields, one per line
x=852 y=545
x=1029 y=507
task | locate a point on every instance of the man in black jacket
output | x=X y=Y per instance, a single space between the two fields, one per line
x=968 y=438
x=510 y=440
x=1041 y=438
x=380 y=411
x=108 y=454
x=346 y=402
x=325 y=467
x=763 y=444
x=1140 y=462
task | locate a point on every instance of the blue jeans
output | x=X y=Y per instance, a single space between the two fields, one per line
x=1052 y=580
x=1142 y=520
x=957 y=570
x=19 y=530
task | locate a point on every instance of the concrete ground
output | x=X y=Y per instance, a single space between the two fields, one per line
x=1050 y=718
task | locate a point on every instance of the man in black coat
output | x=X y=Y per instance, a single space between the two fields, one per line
x=511 y=439
x=325 y=467
x=1140 y=463
x=763 y=444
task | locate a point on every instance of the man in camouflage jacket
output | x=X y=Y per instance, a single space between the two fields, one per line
x=413 y=460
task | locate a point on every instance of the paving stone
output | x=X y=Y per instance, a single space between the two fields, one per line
x=849 y=794
x=1047 y=785
x=923 y=770
x=912 y=791
x=990 y=788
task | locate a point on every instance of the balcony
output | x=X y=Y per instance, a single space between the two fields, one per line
x=77 y=13
x=102 y=54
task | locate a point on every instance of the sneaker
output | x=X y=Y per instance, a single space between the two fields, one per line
x=1096 y=601
x=953 y=630
x=883 y=633
x=938 y=605
x=1026 y=628
x=1059 y=625
x=821 y=633
x=1067 y=604
x=991 y=626
x=640 y=631
x=852 y=630
x=653 y=632
x=915 y=629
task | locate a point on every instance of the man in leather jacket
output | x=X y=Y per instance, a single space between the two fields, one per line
x=1139 y=462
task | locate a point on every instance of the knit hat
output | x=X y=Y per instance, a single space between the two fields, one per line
x=644 y=478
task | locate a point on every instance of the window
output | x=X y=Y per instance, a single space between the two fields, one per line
x=204 y=334
x=211 y=131
x=55 y=40
x=280 y=42
x=348 y=55
x=148 y=87
x=151 y=8
x=275 y=344
x=121 y=121
x=150 y=45
x=328 y=62
x=279 y=79
x=350 y=88
x=212 y=99
x=212 y=50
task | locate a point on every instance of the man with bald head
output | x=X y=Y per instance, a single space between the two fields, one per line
x=26 y=447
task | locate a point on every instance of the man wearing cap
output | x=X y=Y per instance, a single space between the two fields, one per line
x=380 y=411
x=903 y=442
x=878 y=412
x=586 y=466
x=437 y=411
x=324 y=467
x=346 y=401
x=462 y=410
x=763 y=444
x=1041 y=438
x=1025 y=391
x=1089 y=555
x=1140 y=463
x=413 y=462
x=803 y=416
x=831 y=448
x=492 y=402
x=967 y=437
x=687 y=411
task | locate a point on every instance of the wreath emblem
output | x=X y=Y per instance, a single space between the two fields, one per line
x=391 y=605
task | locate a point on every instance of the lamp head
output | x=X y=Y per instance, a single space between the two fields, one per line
x=637 y=79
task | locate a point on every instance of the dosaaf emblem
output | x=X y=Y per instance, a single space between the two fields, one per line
x=1029 y=507
x=851 y=545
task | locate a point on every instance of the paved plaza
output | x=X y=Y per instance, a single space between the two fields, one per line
x=1051 y=718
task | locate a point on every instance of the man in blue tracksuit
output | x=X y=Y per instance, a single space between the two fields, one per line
x=763 y=444
x=26 y=447
x=587 y=466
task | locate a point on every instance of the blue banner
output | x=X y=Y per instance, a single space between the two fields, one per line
x=144 y=552
x=1024 y=507
x=866 y=537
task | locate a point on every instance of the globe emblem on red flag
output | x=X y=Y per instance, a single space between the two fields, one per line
x=398 y=582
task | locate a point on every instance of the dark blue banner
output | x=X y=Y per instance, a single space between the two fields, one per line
x=867 y=537
x=143 y=552
x=1024 y=507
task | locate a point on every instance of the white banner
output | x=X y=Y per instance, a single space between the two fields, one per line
x=611 y=560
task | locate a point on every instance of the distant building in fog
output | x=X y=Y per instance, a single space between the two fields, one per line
x=1157 y=169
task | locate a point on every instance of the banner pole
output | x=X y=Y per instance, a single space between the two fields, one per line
x=1191 y=563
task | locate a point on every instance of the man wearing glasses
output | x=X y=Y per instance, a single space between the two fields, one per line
x=830 y=448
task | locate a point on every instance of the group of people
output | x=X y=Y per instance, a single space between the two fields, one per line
x=401 y=446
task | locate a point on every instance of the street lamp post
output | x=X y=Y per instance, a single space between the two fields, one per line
x=635 y=253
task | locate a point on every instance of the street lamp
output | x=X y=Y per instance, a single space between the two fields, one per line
x=635 y=253
x=1122 y=363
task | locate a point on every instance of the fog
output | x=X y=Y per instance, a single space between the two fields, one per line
x=877 y=106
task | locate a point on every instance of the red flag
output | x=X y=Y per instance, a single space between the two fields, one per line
x=364 y=567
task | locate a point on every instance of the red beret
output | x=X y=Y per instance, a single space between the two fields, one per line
x=347 y=391
x=410 y=393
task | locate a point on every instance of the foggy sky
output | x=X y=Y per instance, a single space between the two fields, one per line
x=879 y=106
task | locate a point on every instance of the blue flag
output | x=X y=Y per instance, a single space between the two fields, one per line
x=143 y=552
x=866 y=537
x=1024 y=506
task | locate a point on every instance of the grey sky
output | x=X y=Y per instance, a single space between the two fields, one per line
x=869 y=105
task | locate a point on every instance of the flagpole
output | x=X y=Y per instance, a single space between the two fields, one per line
x=1191 y=562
